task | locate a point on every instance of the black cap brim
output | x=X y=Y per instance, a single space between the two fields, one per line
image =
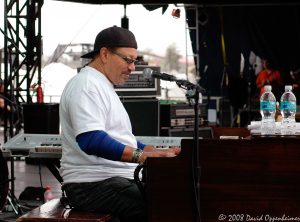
x=89 y=55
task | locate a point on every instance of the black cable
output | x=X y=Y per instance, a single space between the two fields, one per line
x=196 y=156
x=195 y=186
x=137 y=180
x=41 y=182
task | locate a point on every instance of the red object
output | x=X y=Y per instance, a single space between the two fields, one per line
x=176 y=13
x=39 y=94
x=48 y=194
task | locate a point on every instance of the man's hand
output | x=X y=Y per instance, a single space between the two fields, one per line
x=153 y=152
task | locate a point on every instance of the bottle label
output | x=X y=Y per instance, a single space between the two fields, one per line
x=267 y=105
x=288 y=105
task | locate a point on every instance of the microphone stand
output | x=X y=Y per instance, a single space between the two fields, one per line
x=193 y=95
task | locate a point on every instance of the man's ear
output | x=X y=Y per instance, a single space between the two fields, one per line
x=104 y=54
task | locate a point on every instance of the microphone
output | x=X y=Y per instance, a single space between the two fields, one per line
x=150 y=73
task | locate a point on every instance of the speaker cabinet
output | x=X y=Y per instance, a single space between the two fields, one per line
x=41 y=118
x=144 y=116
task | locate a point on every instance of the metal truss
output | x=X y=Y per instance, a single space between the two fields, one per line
x=192 y=27
x=22 y=57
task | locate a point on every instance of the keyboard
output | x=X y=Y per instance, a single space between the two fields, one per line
x=32 y=144
x=50 y=145
x=160 y=141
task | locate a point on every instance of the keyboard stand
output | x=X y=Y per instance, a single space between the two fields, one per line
x=53 y=166
x=10 y=195
x=51 y=163
x=13 y=201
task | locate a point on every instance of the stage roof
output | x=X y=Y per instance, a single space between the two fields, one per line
x=200 y=2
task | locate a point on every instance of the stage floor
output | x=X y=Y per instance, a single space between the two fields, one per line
x=27 y=175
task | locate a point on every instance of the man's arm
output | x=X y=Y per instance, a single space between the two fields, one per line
x=99 y=143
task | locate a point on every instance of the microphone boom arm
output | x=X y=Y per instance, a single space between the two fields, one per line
x=188 y=85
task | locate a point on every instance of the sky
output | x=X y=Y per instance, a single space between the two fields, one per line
x=66 y=23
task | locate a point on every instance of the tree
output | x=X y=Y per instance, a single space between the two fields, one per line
x=172 y=57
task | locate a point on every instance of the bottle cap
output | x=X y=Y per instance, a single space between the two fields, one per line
x=48 y=187
x=288 y=87
x=268 y=88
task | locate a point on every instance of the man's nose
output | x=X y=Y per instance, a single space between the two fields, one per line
x=131 y=66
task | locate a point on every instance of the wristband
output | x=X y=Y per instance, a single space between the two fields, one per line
x=137 y=153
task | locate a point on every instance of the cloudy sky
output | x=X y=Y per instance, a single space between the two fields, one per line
x=65 y=23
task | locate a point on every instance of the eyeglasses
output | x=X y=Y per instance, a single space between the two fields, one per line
x=126 y=59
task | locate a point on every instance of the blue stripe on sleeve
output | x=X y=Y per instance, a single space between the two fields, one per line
x=99 y=143
x=140 y=145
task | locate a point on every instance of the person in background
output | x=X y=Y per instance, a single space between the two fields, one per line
x=2 y=98
x=270 y=76
x=12 y=107
x=294 y=74
x=100 y=153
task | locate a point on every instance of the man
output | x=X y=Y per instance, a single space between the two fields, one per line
x=12 y=108
x=100 y=152
x=2 y=98
x=270 y=76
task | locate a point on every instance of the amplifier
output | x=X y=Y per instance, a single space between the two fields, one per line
x=180 y=115
x=144 y=116
x=138 y=86
x=41 y=118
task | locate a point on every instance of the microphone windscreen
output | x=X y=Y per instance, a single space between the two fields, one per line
x=147 y=73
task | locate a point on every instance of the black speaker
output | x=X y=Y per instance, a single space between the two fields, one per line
x=225 y=113
x=144 y=116
x=247 y=116
x=41 y=118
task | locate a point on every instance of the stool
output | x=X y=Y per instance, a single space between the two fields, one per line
x=54 y=211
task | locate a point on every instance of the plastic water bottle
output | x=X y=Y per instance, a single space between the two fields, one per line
x=48 y=195
x=288 y=111
x=267 y=111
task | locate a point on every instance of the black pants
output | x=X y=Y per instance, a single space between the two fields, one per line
x=117 y=196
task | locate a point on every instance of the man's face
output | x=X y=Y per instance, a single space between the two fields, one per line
x=120 y=64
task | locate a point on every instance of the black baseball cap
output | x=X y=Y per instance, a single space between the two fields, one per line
x=112 y=37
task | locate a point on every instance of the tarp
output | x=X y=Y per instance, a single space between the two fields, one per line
x=54 y=78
